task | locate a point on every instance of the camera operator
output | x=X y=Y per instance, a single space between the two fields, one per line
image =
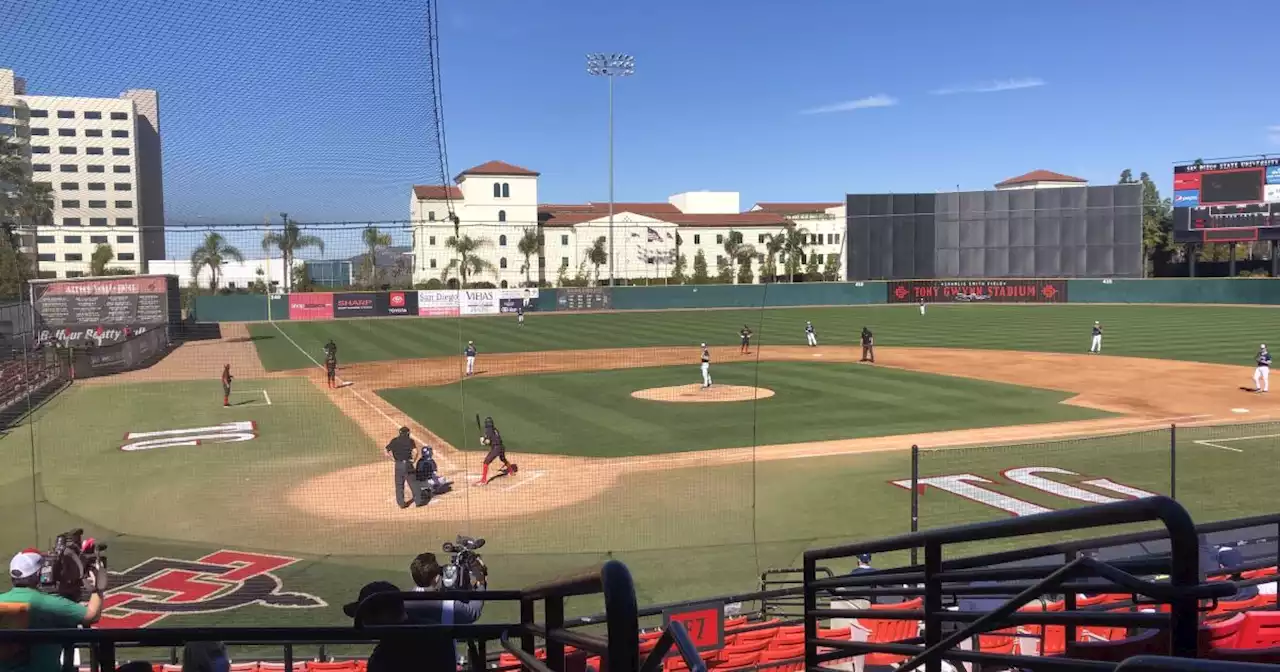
x=427 y=577
x=25 y=606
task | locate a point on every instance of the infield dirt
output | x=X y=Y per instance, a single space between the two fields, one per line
x=1146 y=393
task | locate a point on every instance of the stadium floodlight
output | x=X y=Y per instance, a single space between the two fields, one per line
x=611 y=66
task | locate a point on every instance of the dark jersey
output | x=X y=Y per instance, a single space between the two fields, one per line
x=330 y=365
x=494 y=437
x=745 y=334
x=226 y=377
x=426 y=467
x=1264 y=359
x=520 y=311
x=706 y=355
x=331 y=349
x=866 y=337
x=808 y=329
x=401 y=448
x=470 y=351
x=1097 y=331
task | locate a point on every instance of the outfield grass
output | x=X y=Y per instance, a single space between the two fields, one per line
x=594 y=414
x=1228 y=335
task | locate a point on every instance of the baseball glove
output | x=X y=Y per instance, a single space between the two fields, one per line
x=484 y=440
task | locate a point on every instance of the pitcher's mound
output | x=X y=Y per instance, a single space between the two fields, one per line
x=695 y=393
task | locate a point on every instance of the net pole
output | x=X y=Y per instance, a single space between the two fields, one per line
x=915 y=495
x=1173 y=461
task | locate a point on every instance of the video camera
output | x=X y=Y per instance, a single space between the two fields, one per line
x=464 y=565
x=67 y=566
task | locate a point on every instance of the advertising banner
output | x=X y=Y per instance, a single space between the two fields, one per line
x=513 y=306
x=359 y=304
x=311 y=306
x=1273 y=174
x=479 y=302
x=584 y=298
x=402 y=303
x=438 y=302
x=1188 y=198
x=979 y=291
x=1271 y=194
x=526 y=294
x=103 y=311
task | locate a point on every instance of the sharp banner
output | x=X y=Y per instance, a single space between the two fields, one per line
x=978 y=291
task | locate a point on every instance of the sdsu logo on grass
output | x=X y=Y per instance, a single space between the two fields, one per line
x=970 y=487
x=220 y=581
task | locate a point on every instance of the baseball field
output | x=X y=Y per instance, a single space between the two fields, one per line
x=278 y=507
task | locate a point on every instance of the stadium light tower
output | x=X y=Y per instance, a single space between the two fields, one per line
x=611 y=66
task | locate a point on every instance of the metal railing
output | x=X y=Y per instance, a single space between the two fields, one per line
x=612 y=580
x=937 y=579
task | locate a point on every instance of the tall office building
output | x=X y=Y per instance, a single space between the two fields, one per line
x=101 y=157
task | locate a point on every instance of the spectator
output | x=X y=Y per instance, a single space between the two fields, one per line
x=205 y=657
x=26 y=607
x=426 y=573
x=1230 y=559
x=864 y=567
x=430 y=653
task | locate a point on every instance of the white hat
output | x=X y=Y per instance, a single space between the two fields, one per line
x=704 y=345
x=1096 y=322
x=25 y=564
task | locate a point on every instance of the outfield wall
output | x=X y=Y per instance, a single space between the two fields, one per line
x=1255 y=291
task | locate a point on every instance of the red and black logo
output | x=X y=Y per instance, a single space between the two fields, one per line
x=220 y=581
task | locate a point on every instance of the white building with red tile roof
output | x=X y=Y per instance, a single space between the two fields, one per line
x=496 y=203
x=1041 y=179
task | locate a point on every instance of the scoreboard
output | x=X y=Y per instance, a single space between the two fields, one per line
x=1227 y=201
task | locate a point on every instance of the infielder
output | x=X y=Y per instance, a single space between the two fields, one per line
x=922 y=306
x=745 y=333
x=810 y=334
x=1262 y=374
x=1095 y=346
x=470 y=353
x=226 y=385
x=706 y=367
x=497 y=451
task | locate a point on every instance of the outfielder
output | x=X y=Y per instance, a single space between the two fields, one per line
x=706 y=367
x=1095 y=345
x=470 y=353
x=1262 y=374
x=520 y=315
x=922 y=306
x=497 y=451
x=810 y=334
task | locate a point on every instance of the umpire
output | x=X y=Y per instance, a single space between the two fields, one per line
x=404 y=452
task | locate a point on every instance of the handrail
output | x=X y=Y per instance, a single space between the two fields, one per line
x=1180 y=593
x=1167 y=664
x=675 y=633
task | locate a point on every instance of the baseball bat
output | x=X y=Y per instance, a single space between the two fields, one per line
x=478 y=423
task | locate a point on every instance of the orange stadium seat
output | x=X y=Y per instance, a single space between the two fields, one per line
x=1260 y=629
x=775 y=654
x=242 y=667
x=739 y=661
x=336 y=666
x=279 y=667
x=1258 y=573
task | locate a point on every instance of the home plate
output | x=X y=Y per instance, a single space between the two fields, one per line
x=1239 y=410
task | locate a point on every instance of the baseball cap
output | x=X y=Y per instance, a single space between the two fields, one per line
x=26 y=564
x=864 y=558
x=704 y=345
x=1229 y=558
x=369 y=589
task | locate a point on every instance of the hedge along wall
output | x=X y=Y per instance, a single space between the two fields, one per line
x=1264 y=291
x=748 y=296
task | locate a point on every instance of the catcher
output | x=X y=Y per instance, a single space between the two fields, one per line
x=493 y=438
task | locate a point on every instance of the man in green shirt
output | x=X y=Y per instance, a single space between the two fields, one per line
x=25 y=607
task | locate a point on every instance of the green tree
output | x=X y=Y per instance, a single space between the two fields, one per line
x=700 y=275
x=374 y=241
x=289 y=242
x=678 y=271
x=15 y=269
x=831 y=271
x=465 y=261
x=213 y=252
x=724 y=271
x=1157 y=222
x=299 y=280
x=811 y=273
x=773 y=245
x=746 y=254
x=598 y=255
x=102 y=255
x=530 y=245
x=732 y=243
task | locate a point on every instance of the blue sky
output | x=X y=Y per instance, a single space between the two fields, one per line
x=314 y=106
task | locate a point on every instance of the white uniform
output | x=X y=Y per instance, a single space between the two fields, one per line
x=922 y=307
x=706 y=367
x=810 y=334
x=1262 y=374
x=1095 y=345
x=471 y=359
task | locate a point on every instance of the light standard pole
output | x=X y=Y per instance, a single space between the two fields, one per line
x=611 y=66
x=285 y=279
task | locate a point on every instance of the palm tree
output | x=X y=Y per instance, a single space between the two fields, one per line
x=598 y=256
x=289 y=241
x=772 y=246
x=796 y=240
x=213 y=252
x=374 y=240
x=732 y=243
x=530 y=244
x=466 y=261
x=744 y=254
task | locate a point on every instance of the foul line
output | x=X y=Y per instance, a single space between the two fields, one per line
x=443 y=462
x=532 y=477
x=267 y=397
x=1215 y=443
